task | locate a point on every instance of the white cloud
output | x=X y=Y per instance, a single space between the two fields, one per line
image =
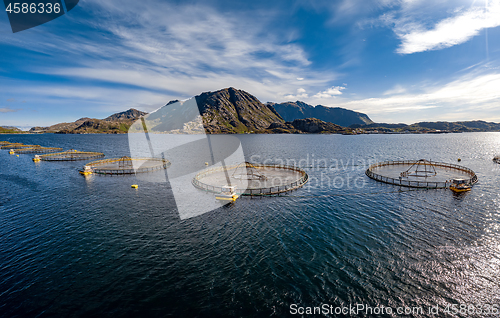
x=332 y=91
x=301 y=94
x=462 y=26
x=398 y=89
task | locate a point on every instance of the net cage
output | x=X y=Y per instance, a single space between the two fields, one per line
x=38 y=149
x=422 y=169
x=17 y=146
x=496 y=159
x=126 y=165
x=252 y=179
x=420 y=173
x=70 y=155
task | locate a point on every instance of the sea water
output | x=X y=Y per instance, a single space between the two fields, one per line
x=76 y=246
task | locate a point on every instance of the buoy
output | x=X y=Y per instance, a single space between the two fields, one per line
x=135 y=186
x=11 y=152
x=17 y=155
x=459 y=159
x=37 y=158
x=206 y=163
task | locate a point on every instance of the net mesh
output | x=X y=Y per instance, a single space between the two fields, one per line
x=126 y=165
x=71 y=155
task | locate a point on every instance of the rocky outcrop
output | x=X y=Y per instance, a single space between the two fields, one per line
x=130 y=114
x=308 y=125
x=315 y=126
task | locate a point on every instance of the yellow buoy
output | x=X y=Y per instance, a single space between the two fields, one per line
x=135 y=186
x=206 y=163
x=459 y=159
x=37 y=158
x=17 y=155
x=11 y=152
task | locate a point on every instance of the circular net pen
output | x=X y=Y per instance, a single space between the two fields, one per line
x=420 y=173
x=70 y=155
x=125 y=165
x=496 y=159
x=17 y=146
x=38 y=150
x=252 y=179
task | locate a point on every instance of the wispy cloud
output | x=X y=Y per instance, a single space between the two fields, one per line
x=9 y=110
x=301 y=94
x=418 y=36
x=472 y=96
x=194 y=48
x=397 y=89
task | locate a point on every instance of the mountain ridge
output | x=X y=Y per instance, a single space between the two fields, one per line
x=232 y=111
x=114 y=124
x=438 y=126
x=336 y=115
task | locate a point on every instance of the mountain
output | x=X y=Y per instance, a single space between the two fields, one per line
x=226 y=111
x=231 y=111
x=339 y=116
x=234 y=111
x=118 y=123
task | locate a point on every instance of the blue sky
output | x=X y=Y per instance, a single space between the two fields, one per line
x=397 y=61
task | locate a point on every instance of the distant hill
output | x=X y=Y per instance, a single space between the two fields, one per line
x=459 y=126
x=477 y=125
x=130 y=114
x=10 y=130
x=308 y=125
x=231 y=111
x=290 y=111
x=118 y=123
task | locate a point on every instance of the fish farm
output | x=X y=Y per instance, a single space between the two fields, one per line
x=17 y=146
x=252 y=179
x=125 y=165
x=70 y=155
x=420 y=173
x=38 y=149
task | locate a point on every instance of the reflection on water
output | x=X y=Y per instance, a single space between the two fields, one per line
x=93 y=246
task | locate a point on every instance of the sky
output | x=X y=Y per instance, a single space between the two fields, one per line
x=401 y=61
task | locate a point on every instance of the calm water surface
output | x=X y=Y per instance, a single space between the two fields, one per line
x=71 y=246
